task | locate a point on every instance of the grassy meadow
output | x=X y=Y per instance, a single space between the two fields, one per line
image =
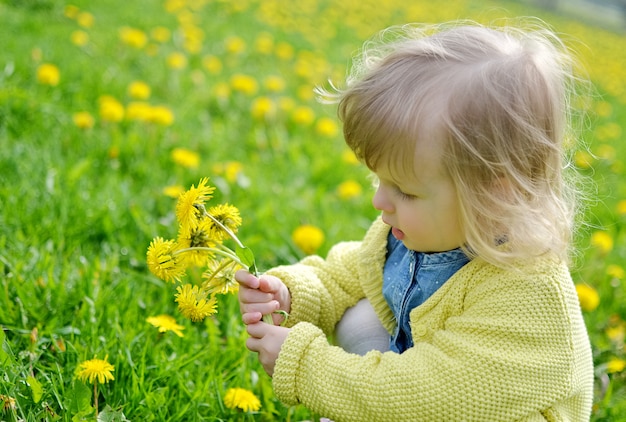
x=110 y=109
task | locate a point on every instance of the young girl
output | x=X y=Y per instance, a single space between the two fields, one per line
x=466 y=268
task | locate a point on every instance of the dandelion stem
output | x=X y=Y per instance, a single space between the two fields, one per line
x=95 y=396
x=222 y=226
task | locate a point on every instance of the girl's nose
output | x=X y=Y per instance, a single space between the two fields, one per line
x=381 y=202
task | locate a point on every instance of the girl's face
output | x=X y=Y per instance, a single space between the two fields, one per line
x=422 y=209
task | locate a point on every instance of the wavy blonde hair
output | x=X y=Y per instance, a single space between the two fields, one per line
x=498 y=100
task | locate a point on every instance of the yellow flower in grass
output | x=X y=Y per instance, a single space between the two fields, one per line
x=79 y=38
x=615 y=365
x=615 y=271
x=160 y=34
x=166 y=323
x=48 y=74
x=194 y=304
x=161 y=115
x=212 y=64
x=303 y=115
x=349 y=189
x=173 y=191
x=235 y=45
x=95 y=370
x=263 y=108
x=308 y=238
x=186 y=158
x=240 y=398
x=85 y=19
x=176 y=60
x=244 y=83
x=162 y=260
x=139 y=90
x=621 y=207
x=110 y=109
x=83 y=120
x=588 y=297
x=220 y=277
x=274 y=83
x=133 y=37
x=602 y=241
x=138 y=111
x=187 y=212
x=326 y=127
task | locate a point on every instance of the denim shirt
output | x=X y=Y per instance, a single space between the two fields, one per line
x=410 y=278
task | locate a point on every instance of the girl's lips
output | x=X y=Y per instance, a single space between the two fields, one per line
x=397 y=233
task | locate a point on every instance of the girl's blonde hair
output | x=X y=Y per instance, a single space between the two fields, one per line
x=498 y=100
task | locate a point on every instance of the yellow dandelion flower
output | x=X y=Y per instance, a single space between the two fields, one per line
x=201 y=236
x=603 y=109
x=621 y=207
x=160 y=34
x=615 y=365
x=264 y=43
x=244 y=83
x=186 y=211
x=232 y=170
x=48 y=74
x=95 y=370
x=186 y=158
x=284 y=51
x=139 y=90
x=240 y=398
x=139 y=111
x=326 y=127
x=615 y=271
x=308 y=238
x=161 y=115
x=349 y=157
x=162 y=260
x=583 y=159
x=176 y=60
x=602 y=241
x=85 y=19
x=263 y=108
x=194 y=304
x=221 y=91
x=349 y=189
x=220 y=277
x=305 y=93
x=212 y=64
x=173 y=191
x=274 y=83
x=229 y=216
x=79 y=38
x=166 y=323
x=83 y=120
x=588 y=297
x=303 y=115
x=235 y=45
x=133 y=37
x=110 y=109
x=70 y=11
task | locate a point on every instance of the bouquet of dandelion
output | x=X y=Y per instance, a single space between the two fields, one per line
x=200 y=242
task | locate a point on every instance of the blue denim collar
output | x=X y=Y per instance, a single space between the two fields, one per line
x=410 y=278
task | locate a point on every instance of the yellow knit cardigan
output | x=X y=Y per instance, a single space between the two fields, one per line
x=489 y=345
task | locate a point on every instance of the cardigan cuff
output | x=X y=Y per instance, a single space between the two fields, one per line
x=286 y=370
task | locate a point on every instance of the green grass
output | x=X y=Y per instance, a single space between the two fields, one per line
x=79 y=207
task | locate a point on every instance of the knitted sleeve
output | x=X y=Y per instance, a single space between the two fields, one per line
x=322 y=289
x=503 y=350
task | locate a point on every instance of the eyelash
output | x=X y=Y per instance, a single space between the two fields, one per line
x=403 y=196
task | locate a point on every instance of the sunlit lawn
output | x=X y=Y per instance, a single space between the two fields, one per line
x=110 y=109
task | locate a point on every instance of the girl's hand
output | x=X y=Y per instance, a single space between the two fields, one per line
x=266 y=340
x=261 y=296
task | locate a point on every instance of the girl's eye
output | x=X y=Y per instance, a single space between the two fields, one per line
x=403 y=195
